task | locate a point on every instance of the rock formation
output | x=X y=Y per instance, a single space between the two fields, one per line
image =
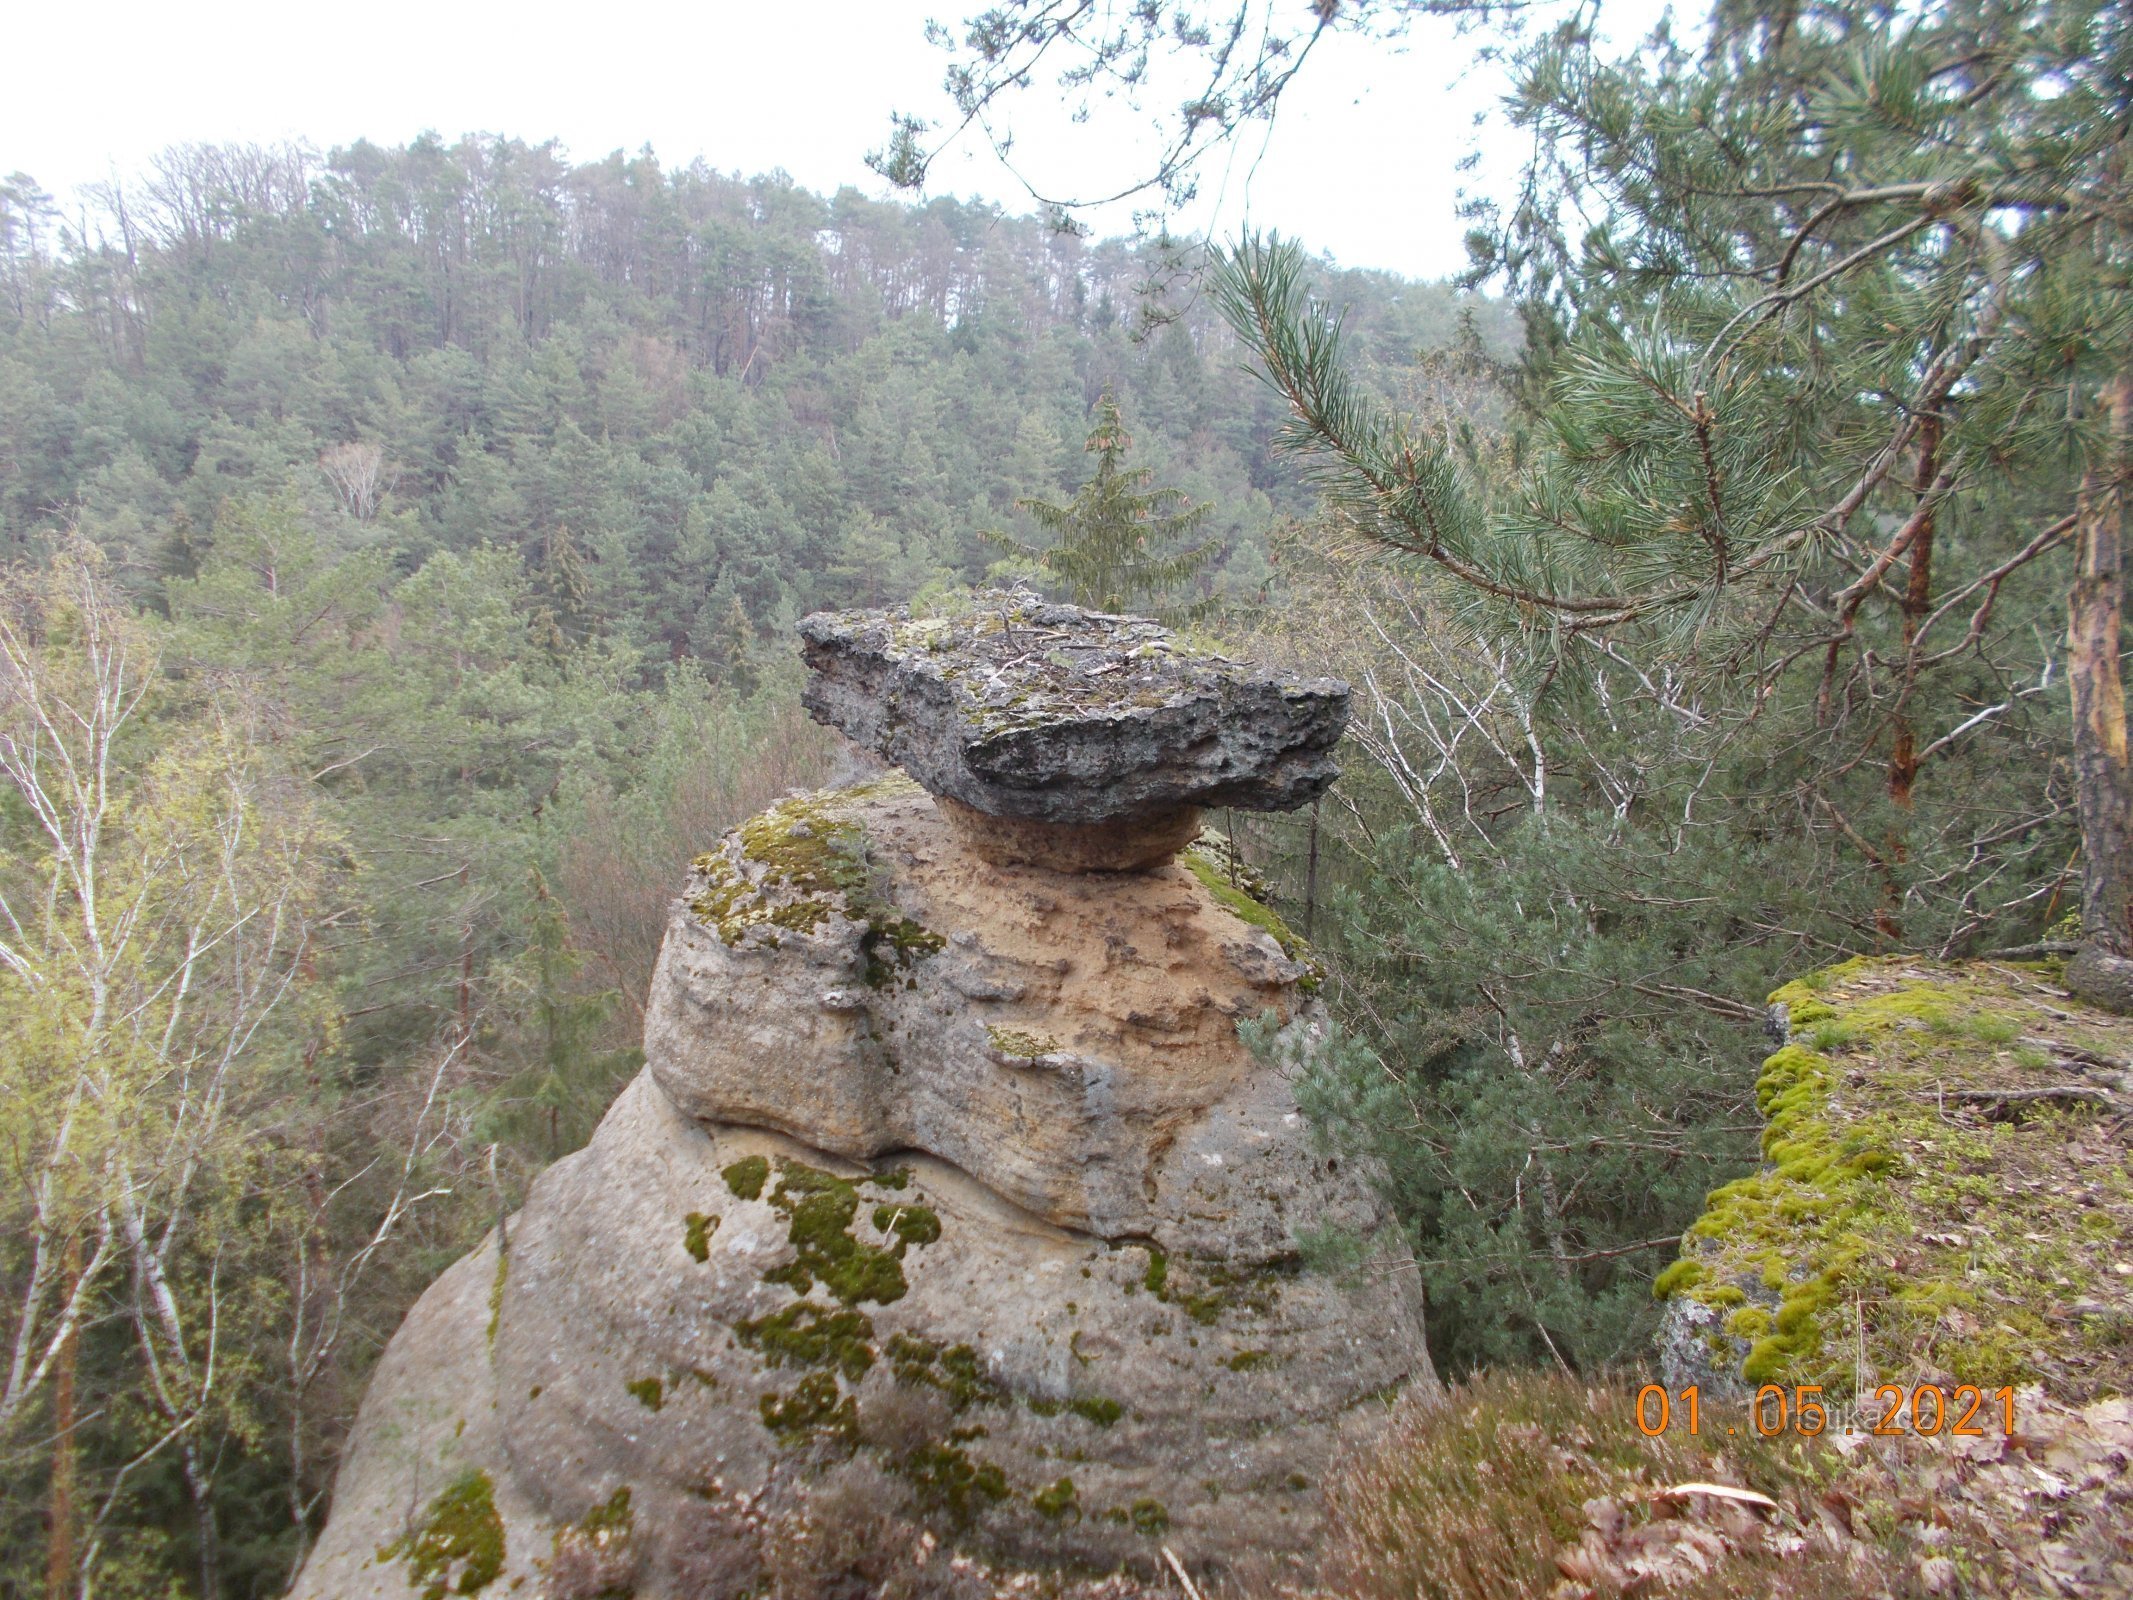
x=951 y=1206
x=1066 y=737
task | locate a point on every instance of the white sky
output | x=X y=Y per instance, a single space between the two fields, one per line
x=749 y=86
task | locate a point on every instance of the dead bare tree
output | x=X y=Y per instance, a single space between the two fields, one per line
x=359 y=477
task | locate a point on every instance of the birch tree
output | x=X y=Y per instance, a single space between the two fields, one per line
x=160 y=890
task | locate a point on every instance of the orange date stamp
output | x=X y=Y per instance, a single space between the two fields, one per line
x=1894 y=1410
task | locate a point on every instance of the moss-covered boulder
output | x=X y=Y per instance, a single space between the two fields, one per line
x=1945 y=1194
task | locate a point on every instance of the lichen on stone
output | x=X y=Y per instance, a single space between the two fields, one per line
x=459 y=1547
x=790 y=867
x=794 y=868
x=1022 y=708
x=1019 y=1045
x=651 y=1393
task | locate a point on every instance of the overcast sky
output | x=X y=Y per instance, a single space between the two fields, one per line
x=749 y=87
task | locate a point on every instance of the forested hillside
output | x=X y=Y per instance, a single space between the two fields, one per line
x=438 y=515
x=716 y=390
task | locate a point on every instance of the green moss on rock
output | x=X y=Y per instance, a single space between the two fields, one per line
x=815 y=1405
x=809 y=1335
x=1246 y=908
x=892 y=944
x=651 y=1393
x=945 y=1478
x=496 y=1293
x=1903 y=1213
x=1157 y=1278
x=798 y=865
x=1150 y=1517
x=1058 y=1502
x=747 y=1176
x=459 y=1546
x=956 y=1372
x=821 y=1208
x=613 y=1518
x=696 y=1231
x=913 y=1224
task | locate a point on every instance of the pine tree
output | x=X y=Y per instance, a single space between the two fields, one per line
x=1815 y=412
x=1120 y=544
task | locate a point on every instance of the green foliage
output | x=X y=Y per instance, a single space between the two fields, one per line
x=1734 y=647
x=1117 y=544
x=1545 y=1138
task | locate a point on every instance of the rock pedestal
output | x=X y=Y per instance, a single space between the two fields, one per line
x=950 y=1212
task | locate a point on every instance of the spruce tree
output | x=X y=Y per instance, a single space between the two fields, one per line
x=562 y=595
x=1120 y=543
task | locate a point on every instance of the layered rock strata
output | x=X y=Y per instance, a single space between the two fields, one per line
x=950 y=1200
x=1110 y=729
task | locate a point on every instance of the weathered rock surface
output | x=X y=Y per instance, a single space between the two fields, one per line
x=1047 y=712
x=950 y=1206
x=841 y=971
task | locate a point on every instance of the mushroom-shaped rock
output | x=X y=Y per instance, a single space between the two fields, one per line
x=1068 y=738
x=953 y=1203
x=951 y=1206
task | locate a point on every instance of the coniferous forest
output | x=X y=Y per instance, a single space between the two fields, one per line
x=400 y=548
